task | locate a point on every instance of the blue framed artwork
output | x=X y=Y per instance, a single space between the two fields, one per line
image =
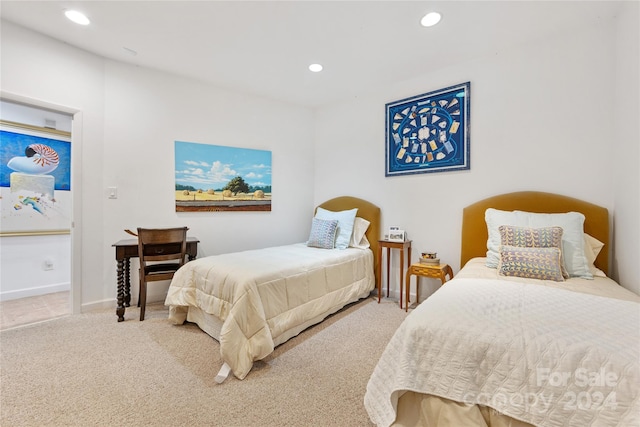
x=214 y=178
x=428 y=132
x=35 y=180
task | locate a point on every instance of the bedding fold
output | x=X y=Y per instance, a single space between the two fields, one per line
x=260 y=295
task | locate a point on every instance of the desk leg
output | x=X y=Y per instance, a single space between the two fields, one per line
x=127 y=282
x=120 y=282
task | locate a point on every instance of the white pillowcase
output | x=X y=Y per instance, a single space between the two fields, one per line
x=358 y=238
x=572 y=224
x=592 y=248
x=345 y=224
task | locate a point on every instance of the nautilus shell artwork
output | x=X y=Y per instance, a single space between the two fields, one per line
x=39 y=159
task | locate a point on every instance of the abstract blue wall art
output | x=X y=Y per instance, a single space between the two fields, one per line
x=428 y=132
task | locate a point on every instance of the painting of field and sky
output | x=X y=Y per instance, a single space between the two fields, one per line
x=218 y=178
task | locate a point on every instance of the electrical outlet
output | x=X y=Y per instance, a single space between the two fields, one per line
x=48 y=264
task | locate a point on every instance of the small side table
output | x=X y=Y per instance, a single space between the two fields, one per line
x=392 y=245
x=435 y=271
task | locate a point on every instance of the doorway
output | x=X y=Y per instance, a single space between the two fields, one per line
x=39 y=277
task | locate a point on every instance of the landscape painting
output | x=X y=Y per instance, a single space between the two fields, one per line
x=213 y=178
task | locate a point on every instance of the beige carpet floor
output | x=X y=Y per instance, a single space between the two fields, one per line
x=90 y=370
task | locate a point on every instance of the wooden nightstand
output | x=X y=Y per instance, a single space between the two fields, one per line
x=434 y=271
x=392 y=245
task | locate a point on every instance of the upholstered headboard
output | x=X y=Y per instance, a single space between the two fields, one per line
x=474 y=227
x=366 y=210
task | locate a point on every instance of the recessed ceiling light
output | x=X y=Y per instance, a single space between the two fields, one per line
x=316 y=68
x=430 y=19
x=77 y=17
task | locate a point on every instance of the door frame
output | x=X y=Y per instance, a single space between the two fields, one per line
x=76 y=185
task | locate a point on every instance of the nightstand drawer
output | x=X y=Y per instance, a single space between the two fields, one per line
x=435 y=271
x=428 y=270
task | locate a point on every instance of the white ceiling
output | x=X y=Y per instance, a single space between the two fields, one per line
x=264 y=47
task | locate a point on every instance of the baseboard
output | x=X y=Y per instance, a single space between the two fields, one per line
x=112 y=303
x=34 y=292
x=98 y=305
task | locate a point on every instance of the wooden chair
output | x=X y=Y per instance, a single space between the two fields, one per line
x=162 y=252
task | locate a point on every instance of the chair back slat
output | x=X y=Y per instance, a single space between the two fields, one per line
x=162 y=244
x=155 y=247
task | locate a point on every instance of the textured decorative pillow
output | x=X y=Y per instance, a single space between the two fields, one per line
x=530 y=263
x=358 y=238
x=572 y=224
x=526 y=237
x=345 y=224
x=323 y=233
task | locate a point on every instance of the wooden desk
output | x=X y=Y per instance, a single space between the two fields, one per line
x=392 y=245
x=435 y=271
x=127 y=249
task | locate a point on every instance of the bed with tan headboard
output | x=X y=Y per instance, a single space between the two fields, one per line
x=489 y=349
x=366 y=210
x=474 y=228
x=254 y=300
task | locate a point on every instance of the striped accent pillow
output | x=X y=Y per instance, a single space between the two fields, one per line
x=526 y=237
x=531 y=263
x=323 y=233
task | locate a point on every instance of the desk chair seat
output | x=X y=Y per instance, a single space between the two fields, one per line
x=162 y=252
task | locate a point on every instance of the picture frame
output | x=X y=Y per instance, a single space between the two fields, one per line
x=216 y=178
x=429 y=132
x=35 y=180
x=396 y=234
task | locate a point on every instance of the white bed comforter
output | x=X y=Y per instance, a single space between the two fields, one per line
x=260 y=294
x=546 y=356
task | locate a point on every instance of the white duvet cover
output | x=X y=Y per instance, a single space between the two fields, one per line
x=539 y=354
x=262 y=294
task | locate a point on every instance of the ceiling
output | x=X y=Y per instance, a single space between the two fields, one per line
x=264 y=47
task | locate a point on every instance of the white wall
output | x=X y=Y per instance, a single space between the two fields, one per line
x=541 y=119
x=145 y=112
x=38 y=68
x=34 y=116
x=24 y=272
x=130 y=118
x=626 y=149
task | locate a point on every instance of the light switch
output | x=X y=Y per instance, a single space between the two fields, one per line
x=113 y=192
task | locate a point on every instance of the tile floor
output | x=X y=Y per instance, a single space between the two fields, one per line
x=24 y=311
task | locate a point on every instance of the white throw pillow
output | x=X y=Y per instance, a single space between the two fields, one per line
x=345 y=224
x=358 y=238
x=592 y=248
